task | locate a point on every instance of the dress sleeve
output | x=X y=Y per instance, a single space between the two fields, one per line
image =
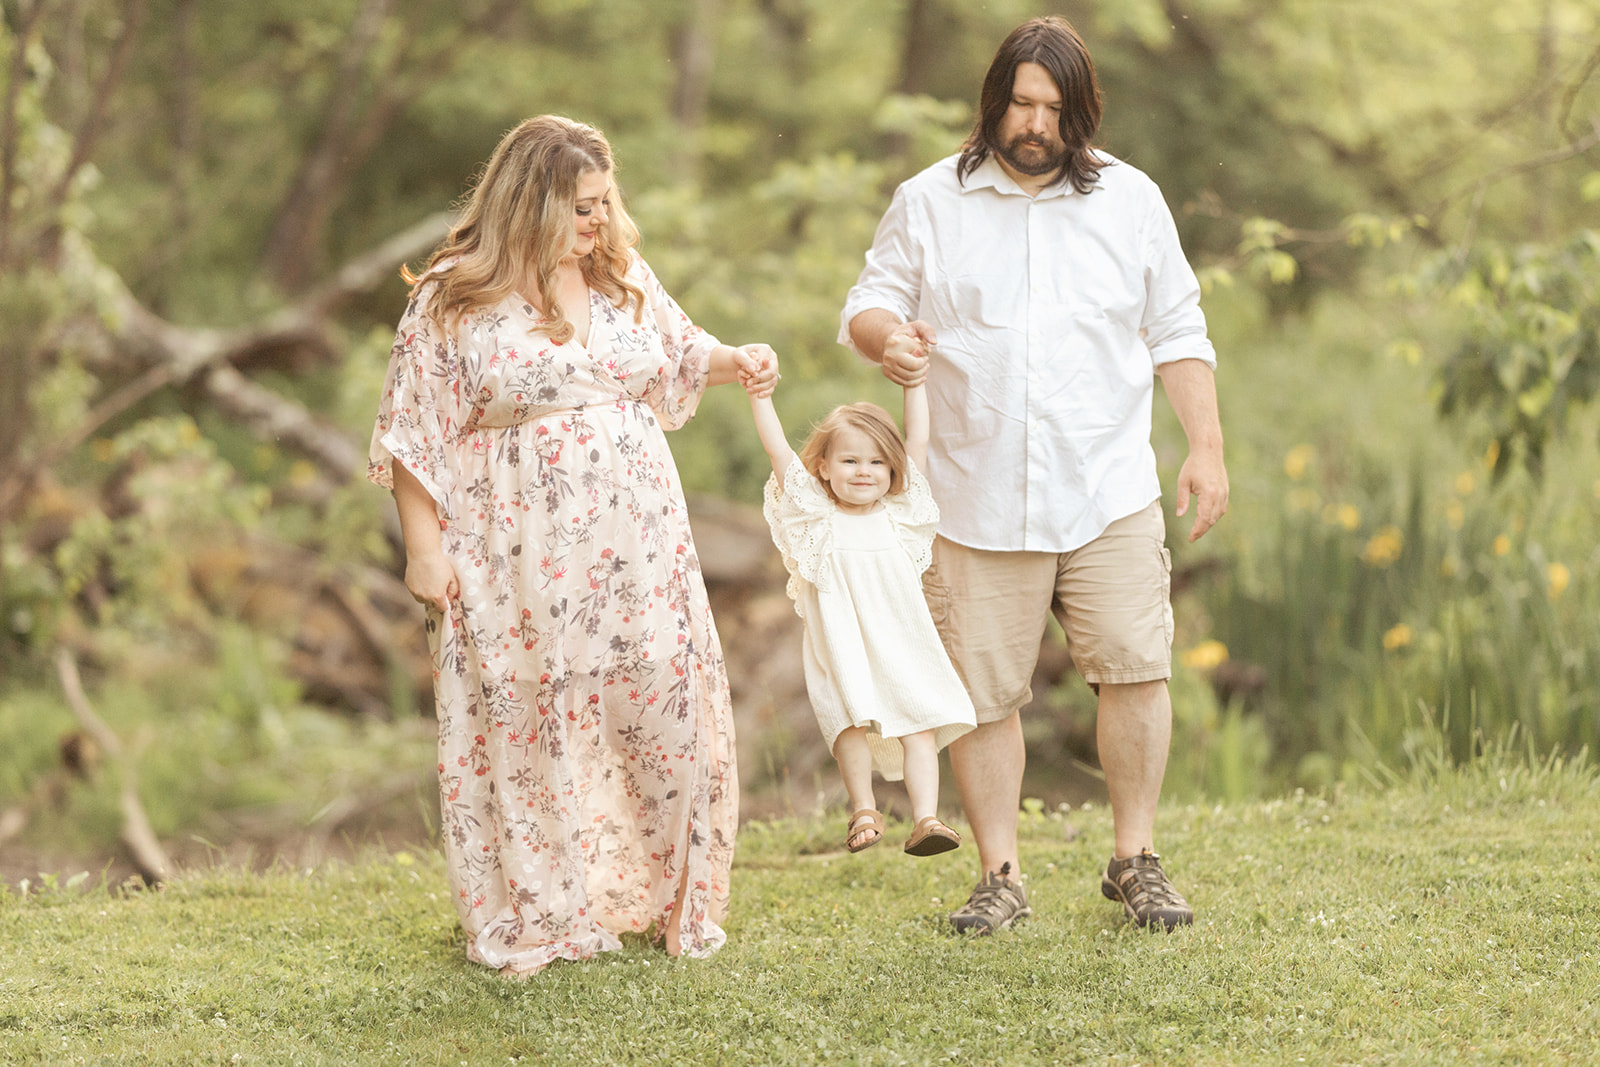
x=916 y=517
x=676 y=393
x=417 y=414
x=801 y=520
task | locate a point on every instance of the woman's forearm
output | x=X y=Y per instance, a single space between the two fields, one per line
x=724 y=366
x=419 y=515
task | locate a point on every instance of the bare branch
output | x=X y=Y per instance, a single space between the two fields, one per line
x=371 y=268
x=1575 y=147
x=172 y=355
x=1570 y=97
x=83 y=144
x=274 y=417
x=148 y=855
x=28 y=20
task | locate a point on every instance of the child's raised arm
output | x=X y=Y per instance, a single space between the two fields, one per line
x=772 y=436
x=917 y=425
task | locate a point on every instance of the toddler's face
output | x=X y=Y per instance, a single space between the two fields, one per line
x=857 y=471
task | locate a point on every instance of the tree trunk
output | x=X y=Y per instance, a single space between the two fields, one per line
x=920 y=50
x=302 y=219
x=694 y=49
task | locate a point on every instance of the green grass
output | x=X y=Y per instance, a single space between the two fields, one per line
x=1449 y=918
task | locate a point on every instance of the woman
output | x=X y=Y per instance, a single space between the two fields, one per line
x=586 y=751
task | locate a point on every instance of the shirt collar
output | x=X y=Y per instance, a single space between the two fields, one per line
x=991 y=175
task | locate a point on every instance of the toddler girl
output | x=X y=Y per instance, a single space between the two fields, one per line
x=854 y=519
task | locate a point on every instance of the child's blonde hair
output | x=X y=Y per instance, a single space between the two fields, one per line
x=867 y=418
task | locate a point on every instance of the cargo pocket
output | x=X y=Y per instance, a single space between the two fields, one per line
x=1166 y=596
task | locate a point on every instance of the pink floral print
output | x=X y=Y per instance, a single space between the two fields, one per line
x=586 y=749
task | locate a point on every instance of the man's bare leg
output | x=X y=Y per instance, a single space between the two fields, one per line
x=1134 y=731
x=987 y=764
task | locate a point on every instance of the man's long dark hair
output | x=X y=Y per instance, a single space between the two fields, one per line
x=1052 y=43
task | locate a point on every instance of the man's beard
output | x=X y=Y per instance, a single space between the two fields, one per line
x=1038 y=160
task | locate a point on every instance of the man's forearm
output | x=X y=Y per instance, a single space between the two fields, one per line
x=1191 y=389
x=870 y=331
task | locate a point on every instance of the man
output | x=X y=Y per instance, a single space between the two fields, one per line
x=1039 y=287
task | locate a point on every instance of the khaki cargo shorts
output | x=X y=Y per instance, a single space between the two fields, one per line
x=1112 y=597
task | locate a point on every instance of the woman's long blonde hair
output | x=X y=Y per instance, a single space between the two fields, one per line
x=520 y=213
x=868 y=418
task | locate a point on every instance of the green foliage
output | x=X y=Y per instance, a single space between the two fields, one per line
x=1372 y=193
x=1530 y=356
x=1353 y=926
x=224 y=749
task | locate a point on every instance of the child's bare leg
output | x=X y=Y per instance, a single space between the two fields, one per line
x=922 y=774
x=855 y=767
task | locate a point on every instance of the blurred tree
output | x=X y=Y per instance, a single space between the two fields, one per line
x=203 y=208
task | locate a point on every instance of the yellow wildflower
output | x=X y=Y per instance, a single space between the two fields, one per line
x=302 y=473
x=1345 y=515
x=1558 y=577
x=1397 y=637
x=1466 y=483
x=1298 y=459
x=1384 y=547
x=1502 y=545
x=1491 y=455
x=1205 y=656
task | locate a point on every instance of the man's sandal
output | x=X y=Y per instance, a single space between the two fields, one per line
x=866 y=821
x=931 y=837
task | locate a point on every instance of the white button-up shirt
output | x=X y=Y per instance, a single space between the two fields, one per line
x=1052 y=313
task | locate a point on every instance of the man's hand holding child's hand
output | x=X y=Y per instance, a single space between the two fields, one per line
x=905 y=353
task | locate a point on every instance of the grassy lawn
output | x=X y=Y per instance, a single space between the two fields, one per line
x=1451 y=918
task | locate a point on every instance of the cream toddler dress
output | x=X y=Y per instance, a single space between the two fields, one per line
x=872 y=655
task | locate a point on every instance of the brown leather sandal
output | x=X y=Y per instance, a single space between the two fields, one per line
x=931 y=837
x=865 y=821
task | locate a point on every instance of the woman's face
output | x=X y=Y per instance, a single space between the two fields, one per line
x=590 y=210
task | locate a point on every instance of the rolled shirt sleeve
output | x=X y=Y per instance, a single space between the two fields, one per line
x=892 y=277
x=1173 y=326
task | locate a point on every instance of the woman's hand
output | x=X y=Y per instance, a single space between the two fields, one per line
x=431 y=579
x=758 y=369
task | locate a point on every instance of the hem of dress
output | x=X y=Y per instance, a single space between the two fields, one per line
x=529 y=961
x=712 y=937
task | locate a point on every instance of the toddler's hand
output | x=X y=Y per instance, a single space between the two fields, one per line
x=905 y=353
x=758 y=369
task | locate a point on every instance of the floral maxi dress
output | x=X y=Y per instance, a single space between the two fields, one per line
x=586 y=749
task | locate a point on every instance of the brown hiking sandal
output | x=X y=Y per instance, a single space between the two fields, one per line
x=1140 y=885
x=998 y=901
x=864 y=822
x=931 y=837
